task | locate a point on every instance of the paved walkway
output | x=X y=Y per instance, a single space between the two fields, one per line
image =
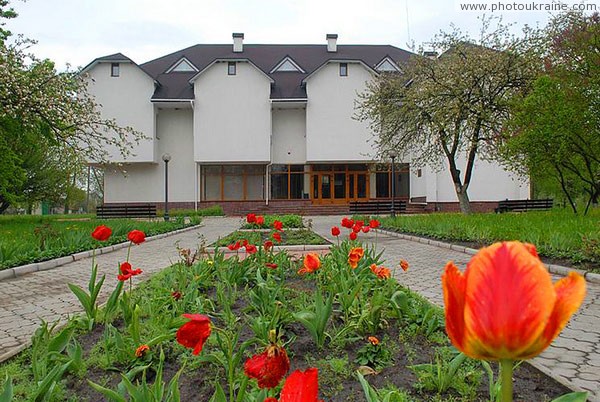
x=573 y=359
x=44 y=295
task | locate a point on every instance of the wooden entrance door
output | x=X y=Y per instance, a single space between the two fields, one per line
x=339 y=187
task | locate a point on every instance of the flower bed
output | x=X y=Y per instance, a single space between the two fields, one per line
x=265 y=325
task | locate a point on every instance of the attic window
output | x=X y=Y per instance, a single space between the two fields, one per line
x=287 y=65
x=114 y=69
x=184 y=66
x=386 y=65
x=231 y=70
x=343 y=69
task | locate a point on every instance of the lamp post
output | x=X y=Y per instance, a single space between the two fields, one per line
x=166 y=158
x=393 y=156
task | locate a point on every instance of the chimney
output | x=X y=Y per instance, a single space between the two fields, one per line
x=332 y=43
x=238 y=42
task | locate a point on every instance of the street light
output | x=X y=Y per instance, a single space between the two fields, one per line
x=393 y=156
x=166 y=158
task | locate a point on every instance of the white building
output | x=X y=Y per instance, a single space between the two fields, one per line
x=264 y=127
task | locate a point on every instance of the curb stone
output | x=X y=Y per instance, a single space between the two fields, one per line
x=15 y=272
x=552 y=268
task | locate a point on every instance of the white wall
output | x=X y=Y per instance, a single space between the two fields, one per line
x=232 y=115
x=331 y=133
x=489 y=182
x=144 y=182
x=289 y=136
x=126 y=98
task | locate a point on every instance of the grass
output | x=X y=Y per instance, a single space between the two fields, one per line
x=557 y=233
x=27 y=239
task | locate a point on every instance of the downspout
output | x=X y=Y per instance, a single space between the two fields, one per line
x=268 y=167
x=196 y=175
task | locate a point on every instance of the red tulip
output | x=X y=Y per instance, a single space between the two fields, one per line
x=365 y=229
x=271 y=265
x=374 y=223
x=194 y=333
x=250 y=248
x=127 y=271
x=311 y=263
x=347 y=223
x=260 y=220
x=380 y=272
x=277 y=237
x=234 y=246
x=404 y=265
x=301 y=386
x=251 y=218
x=505 y=307
x=101 y=233
x=136 y=236
x=335 y=231
x=269 y=367
x=268 y=245
x=278 y=225
x=353 y=236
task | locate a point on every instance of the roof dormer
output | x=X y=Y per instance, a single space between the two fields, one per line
x=387 y=65
x=182 y=65
x=287 y=65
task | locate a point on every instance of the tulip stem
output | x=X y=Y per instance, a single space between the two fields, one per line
x=506 y=372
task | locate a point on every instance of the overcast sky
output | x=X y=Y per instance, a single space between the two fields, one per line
x=78 y=31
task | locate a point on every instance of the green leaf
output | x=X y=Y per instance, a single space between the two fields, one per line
x=370 y=393
x=572 y=397
x=83 y=297
x=108 y=393
x=7 y=392
x=44 y=387
x=219 y=395
x=60 y=341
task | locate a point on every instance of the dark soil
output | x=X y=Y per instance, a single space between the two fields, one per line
x=197 y=384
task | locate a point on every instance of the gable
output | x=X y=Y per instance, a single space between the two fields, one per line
x=387 y=65
x=287 y=65
x=183 y=66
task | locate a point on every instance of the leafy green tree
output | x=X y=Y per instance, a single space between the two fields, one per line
x=453 y=106
x=42 y=109
x=556 y=128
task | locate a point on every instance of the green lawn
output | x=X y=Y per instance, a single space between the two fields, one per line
x=26 y=239
x=557 y=233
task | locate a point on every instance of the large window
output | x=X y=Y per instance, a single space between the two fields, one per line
x=383 y=178
x=233 y=182
x=287 y=182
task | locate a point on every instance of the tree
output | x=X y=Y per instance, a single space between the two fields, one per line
x=43 y=106
x=452 y=106
x=556 y=128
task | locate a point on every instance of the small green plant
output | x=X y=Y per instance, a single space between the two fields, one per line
x=7 y=390
x=142 y=391
x=89 y=300
x=390 y=394
x=447 y=372
x=315 y=321
x=374 y=354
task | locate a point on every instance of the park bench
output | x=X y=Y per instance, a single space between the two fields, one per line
x=524 y=205
x=126 y=211
x=377 y=207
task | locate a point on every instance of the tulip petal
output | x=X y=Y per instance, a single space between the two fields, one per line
x=301 y=387
x=508 y=300
x=570 y=292
x=453 y=283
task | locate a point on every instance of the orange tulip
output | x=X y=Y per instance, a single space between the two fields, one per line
x=505 y=307
x=355 y=255
x=311 y=263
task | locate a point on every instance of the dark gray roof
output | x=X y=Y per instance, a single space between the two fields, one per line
x=286 y=85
